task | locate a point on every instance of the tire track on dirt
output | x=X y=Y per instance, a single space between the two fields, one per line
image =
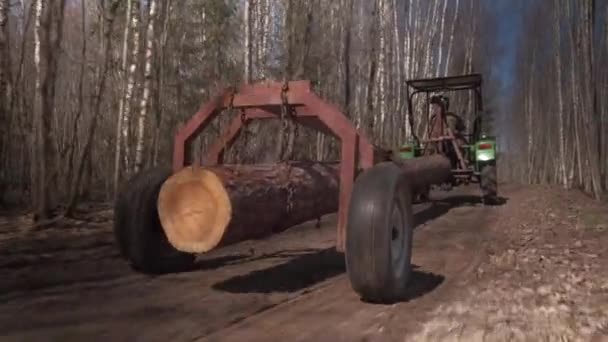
x=344 y=316
x=291 y=286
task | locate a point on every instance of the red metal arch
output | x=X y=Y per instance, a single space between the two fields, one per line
x=263 y=101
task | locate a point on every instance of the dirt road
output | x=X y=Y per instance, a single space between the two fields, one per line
x=67 y=283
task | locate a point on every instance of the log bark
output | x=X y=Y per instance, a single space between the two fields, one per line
x=202 y=208
x=422 y=172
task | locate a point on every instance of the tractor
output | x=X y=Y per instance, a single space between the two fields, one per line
x=472 y=152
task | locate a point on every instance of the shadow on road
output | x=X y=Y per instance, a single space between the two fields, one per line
x=309 y=269
x=296 y=274
x=212 y=263
x=420 y=284
x=439 y=207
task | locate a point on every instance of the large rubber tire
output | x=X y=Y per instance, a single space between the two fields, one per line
x=137 y=229
x=489 y=183
x=379 y=234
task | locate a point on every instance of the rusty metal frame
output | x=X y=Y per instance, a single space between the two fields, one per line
x=263 y=100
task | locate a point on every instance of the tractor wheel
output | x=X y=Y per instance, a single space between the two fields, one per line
x=489 y=183
x=137 y=229
x=379 y=234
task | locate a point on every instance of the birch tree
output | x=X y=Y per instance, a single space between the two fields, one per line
x=563 y=147
x=451 y=40
x=128 y=95
x=441 y=35
x=560 y=100
x=39 y=200
x=247 y=52
x=109 y=14
x=4 y=86
x=146 y=87
x=121 y=105
x=357 y=54
x=48 y=36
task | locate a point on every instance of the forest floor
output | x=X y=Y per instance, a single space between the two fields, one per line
x=531 y=269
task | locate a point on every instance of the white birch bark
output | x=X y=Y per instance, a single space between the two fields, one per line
x=381 y=68
x=247 y=55
x=530 y=127
x=126 y=116
x=143 y=113
x=121 y=105
x=575 y=101
x=255 y=38
x=604 y=109
x=4 y=88
x=441 y=35
x=428 y=59
x=397 y=77
x=408 y=41
x=37 y=165
x=451 y=43
x=265 y=36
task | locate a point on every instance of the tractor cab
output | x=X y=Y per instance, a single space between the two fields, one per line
x=439 y=128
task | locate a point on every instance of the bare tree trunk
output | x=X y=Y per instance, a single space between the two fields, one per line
x=255 y=38
x=441 y=34
x=577 y=162
x=428 y=59
x=604 y=110
x=85 y=158
x=560 y=100
x=5 y=89
x=298 y=72
x=381 y=92
x=264 y=35
x=146 y=91
x=594 y=182
x=128 y=98
x=372 y=72
x=37 y=202
x=81 y=95
x=121 y=104
x=247 y=24
x=530 y=123
x=279 y=150
x=469 y=64
x=161 y=82
x=346 y=57
x=49 y=19
x=451 y=43
x=398 y=76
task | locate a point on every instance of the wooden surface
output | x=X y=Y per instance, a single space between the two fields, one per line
x=260 y=199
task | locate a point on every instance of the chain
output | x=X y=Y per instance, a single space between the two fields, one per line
x=244 y=130
x=284 y=105
x=295 y=134
x=290 y=192
x=284 y=113
x=230 y=109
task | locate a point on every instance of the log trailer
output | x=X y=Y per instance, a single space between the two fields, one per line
x=163 y=218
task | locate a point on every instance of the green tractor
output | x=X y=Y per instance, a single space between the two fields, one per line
x=471 y=151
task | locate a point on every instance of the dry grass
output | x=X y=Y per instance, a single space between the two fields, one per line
x=548 y=283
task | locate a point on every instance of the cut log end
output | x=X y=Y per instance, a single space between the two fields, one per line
x=194 y=209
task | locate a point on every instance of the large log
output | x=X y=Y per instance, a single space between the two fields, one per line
x=201 y=208
x=422 y=172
